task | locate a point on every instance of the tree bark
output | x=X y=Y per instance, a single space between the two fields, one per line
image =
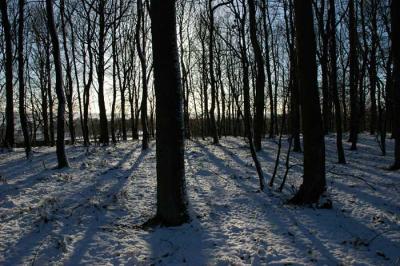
x=69 y=87
x=260 y=78
x=268 y=68
x=333 y=81
x=354 y=106
x=395 y=13
x=141 y=49
x=9 y=138
x=171 y=192
x=104 y=136
x=21 y=79
x=313 y=133
x=214 y=127
x=60 y=148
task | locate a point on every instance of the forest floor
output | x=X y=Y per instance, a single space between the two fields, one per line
x=90 y=213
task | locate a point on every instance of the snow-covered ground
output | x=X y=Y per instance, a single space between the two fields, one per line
x=90 y=213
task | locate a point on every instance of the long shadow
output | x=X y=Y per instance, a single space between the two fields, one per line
x=26 y=245
x=258 y=200
x=84 y=244
x=40 y=167
x=317 y=243
x=192 y=244
x=183 y=245
x=38 y=157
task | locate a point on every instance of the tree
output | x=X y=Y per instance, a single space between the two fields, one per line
x=171 y=192
x=21 y=79
x=141 y=49
x=354 y=120
x=313 y=134
x=104 y=137
x=260 y=78
x=214 y=127
x=60 y=146
x=293 y=83
x=323 y=38
x=395 y=13
x=68 y=72
x=333 y=80
x=264 y=10
x=9 y=139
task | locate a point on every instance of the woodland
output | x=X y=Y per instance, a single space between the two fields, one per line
x=199 y=132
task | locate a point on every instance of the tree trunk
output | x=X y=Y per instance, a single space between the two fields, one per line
x=49 y=92
x=333 y=81
x=314 y=148
x=141 y=49
x=373 y=67
x=260 y=78
x=214 y=128
x=9 y=138
x=354 y=120
x=395 y=12
x=293 y=83
x=171 y=192
x=60 y=148
x=21 y=79
x=104 y=137
x=44 y=105
x=69 y=87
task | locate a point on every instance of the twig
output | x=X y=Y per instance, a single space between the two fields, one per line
x=357 y=177
x=379 y=234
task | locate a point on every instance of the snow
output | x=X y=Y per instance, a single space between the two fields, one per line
x=92 y=212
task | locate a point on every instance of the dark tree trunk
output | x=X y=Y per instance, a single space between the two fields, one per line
x=87 y=85
x=246 y=115
x=260 y=78
x=314 y=148
x=373 y=67
x=9 y=138
x=323 y=60
x=69 y=87
x=333 y=81
x=74 y=60
x=49 y=92
x=363 y=50
x=104 y=137
x=354 y=107
x=395 y=12
x=44 y=105
x=293 y=83
x=185 y=73
x=214 y=128
x=171 y=192
x=61 y=156
x=21 y=79
x=141 y=49
x=268 y=68
x=114 y=82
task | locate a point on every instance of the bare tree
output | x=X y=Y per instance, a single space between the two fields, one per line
x=260 y=78
x=9 y=138
x=314 y=148
x=61 y=156
x=354 y=103
x=21 y=79
x=171 y=193
x=333 y=80
x=395 y=13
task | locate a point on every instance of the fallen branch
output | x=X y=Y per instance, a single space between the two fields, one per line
x=357 y=177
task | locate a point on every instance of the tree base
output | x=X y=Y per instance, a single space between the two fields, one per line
x=303 y=196
x=394 y=167
x=157 y=221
